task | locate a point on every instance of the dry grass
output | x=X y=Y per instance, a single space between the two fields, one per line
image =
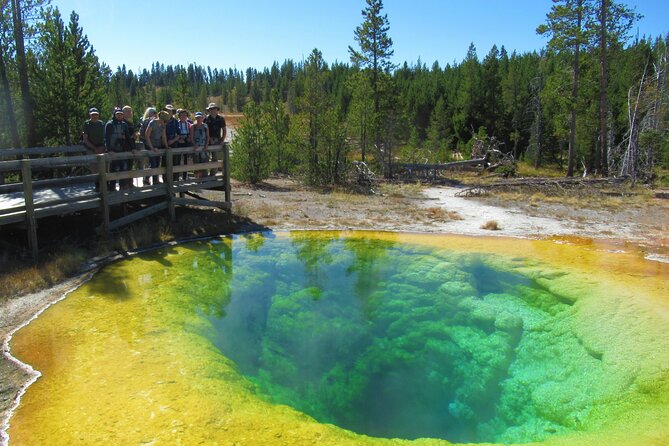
x=440 y=214
x=590 y=198
x=491 y=225
x=29 y=279
x=64 y=257
x=400 y=190
x=528 y=170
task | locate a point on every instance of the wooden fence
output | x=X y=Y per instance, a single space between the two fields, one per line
x=59 y=181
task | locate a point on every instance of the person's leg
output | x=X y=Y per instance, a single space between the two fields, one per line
x=176 y=161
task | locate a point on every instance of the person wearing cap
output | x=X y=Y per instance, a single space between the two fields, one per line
x=217 y=129
x=93 y=137
x=117 y=136
x=172 y=133
x=183 y=140
x=93 y=132
x=199 y=138
x=132 y=128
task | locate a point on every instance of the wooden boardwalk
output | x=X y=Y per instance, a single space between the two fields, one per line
x=60 y=181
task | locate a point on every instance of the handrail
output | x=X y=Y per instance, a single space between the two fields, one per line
x=32 y=209
x=37 y=151
x=84 y=160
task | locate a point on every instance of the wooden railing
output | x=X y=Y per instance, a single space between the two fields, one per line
x=33 y=196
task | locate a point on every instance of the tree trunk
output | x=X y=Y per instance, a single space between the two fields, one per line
x=603 y=87
x=28 y=112
x=537 y=153
x=363 y=133
x=7 y=106
x=574 y=97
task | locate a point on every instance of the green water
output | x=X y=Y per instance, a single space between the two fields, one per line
x=395 y=340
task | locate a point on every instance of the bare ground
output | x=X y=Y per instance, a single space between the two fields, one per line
x=282 y=204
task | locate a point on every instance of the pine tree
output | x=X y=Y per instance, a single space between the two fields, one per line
x=69 y=80
x=251 y=160
x=360 y=111
x=492 y=91
x=375 y=53
x=612 y=25
x=566 y=25
x=468 y=103
x=279 y=124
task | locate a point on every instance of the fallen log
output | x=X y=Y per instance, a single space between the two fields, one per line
x=560 y=183
x=440 y=166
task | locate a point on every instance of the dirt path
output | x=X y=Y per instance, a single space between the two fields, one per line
x=282 y=204
x=511 y=222
x=545 y=220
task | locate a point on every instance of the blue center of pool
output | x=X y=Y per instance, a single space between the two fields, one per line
x=395 y=340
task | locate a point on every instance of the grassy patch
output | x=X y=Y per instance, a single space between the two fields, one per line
x=401 y=190
x=491 y=225
x=440 y=214
x=26 y=278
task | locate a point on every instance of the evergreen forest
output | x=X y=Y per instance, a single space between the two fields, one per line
x=594 y=100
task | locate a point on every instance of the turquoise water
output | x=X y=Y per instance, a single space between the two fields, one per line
x=395 y=340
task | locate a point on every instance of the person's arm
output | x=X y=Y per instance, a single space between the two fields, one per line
x=164 y=138
x=206 y=139
x=108 y=132
x=87 y=142
x=174 y=126
x=191 y=136
x=224 y=131
x=129 y=141
x=147 y=138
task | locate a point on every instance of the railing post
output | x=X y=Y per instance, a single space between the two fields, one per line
x=169 y=183
x=31 y=222
x=226 y=170
x=104 y=192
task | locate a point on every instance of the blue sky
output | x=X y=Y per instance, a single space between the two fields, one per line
x=238 y=34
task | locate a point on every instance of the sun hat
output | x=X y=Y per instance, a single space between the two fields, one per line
x=212 y=105
x=169 y=107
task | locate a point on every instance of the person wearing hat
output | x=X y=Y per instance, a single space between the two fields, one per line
x=172 y=132
x=156 y=139
x=117 y=136
x=149 y=115
x=171 y=129
x=217 y=129
x=199 y=139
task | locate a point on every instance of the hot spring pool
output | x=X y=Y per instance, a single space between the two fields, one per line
x=355 y=338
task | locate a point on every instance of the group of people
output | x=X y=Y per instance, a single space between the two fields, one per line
x=157 y=130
